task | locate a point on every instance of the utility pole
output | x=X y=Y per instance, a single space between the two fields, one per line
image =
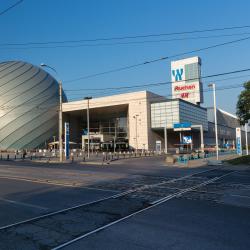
x=88 y=98
x=246 y=125
x=115 y=137
x=60 y=123
x=215 y=120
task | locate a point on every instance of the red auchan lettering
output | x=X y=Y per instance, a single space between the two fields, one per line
x=184 y=95
x=185 y=87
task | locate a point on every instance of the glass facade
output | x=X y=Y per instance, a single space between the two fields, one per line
x=176 y=111
x=194 y=114
x=105 y=132
x=164 y=112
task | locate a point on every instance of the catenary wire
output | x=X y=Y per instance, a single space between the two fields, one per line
x=158 y=59
x=162 y=83
x=120 y=100
x=11 y=7
x=10 y=47
x=129 y=37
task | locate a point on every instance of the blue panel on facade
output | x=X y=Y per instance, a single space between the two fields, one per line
x=182 y=125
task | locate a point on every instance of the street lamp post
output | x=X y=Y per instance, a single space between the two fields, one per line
x=166 y=137
x=246 y=133
x=116 y=122
x=215 y=120
x=60 y=113
x=136 y=139
x=88 y=98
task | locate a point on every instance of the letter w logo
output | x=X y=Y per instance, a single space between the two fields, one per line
x=177 y=74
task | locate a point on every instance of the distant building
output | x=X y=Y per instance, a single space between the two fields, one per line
x=226 y=123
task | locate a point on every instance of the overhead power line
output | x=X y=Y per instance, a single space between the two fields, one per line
x=72 y=104
x=46 y=107
x=120 y=91
x=162 y=83
x=128 y=37
x=80 y=45
x=11 y=7
x=157 y=60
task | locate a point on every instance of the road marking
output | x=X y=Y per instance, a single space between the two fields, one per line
x=241 y=196
x=154 y=204
x=179 y=193
x=99 y=189
x=23 y=204
x=89 y=203
x=49 y=182
x=54 y=213
x=164 y=182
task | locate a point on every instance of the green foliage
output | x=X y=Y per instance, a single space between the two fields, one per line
x=243 y=105
x=240 y=160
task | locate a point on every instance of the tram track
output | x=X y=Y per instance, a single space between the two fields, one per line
x=66 y=226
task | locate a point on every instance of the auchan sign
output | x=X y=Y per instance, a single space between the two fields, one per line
x=185 y=87
x=186 y=83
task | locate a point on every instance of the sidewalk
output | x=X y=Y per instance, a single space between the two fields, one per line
x=203 y=162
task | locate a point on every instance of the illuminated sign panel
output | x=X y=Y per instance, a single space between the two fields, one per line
x=238 y=141
x=186 y=82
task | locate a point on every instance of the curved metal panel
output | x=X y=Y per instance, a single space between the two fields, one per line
x=29 y=102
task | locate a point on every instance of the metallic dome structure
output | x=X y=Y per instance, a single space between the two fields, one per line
x=29 y=102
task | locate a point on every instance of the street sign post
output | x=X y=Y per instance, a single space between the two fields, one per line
x=238 y=141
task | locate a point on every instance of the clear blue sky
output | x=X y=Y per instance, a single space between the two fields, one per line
x=47 y=20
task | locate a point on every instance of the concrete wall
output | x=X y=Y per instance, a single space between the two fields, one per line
x=138 y=106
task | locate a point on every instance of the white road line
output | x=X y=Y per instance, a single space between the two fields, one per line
x=241 y=196
x=171 y=196
x=23 y=204
x=140 y=211
x=164 y=182
x=56 y=212
x=89 y=203
x=99 y=189
x=48 y=182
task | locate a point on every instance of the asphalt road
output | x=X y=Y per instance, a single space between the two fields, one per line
x=213 y=217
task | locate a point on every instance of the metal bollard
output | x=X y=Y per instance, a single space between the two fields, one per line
x=103 y=157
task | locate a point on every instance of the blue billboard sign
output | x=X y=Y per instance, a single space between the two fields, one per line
x=182 y=125
x=238 y=141
x=187 y=139
x=66 y=129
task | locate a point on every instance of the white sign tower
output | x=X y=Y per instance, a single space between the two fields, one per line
x=186 y=80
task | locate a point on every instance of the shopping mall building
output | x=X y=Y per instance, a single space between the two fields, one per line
x=144 y=120
x=138 y=120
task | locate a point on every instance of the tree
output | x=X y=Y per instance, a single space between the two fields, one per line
x=243 y=104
